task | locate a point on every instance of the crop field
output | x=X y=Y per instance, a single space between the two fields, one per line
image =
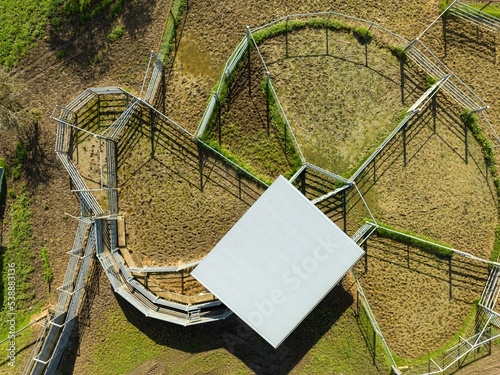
x=343 y=90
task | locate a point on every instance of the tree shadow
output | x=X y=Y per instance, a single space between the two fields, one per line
x=38 y=166
x=80 y=39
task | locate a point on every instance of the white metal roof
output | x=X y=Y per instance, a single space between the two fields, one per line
x=278 y=262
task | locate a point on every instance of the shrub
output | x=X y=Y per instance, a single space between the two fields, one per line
x=11 y=193
x=443 y=4
x=167 y=41
x=116 y=33
x=4 y=165
x=470 y=120
x=363 y=35
x=55 y=22
x=429 y=81
x=61 y=54
x=399 y=51
x=20 y=157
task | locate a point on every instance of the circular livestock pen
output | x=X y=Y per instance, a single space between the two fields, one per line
x=106 y=136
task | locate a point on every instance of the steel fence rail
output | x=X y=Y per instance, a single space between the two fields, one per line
x=374 y=324
x=475 y=16
x=329 y=14
x=285 y=119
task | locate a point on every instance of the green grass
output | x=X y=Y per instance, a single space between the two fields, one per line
x=260 y=154
x=343 y=350
x=237 y=160
x=22 y=22
x=471 y=121
x=19 y=160
x=116 y=33
x=48 y=274
x=168 y=39
x=18 y=252
x=491 y=9
x=363 y=34
x=292 y=25
x=119 y=347
x=86 y=10
x=399 y=51
x=3 y=181
x=434 y=247
x=285 y=133
x=429 y=81
x=443 y=4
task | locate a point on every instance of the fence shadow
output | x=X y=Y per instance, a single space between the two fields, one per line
x=458 y=273
x=72 y=351
x=460 y=34
x=241 y=341
x=440 y=122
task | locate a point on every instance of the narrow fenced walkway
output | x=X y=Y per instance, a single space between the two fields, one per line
x=475 y=16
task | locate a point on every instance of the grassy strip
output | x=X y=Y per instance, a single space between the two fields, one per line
x=491 y=9
x=283 y=27
x=367 y=330
x=19 y=253
x=167 y=41
x=238 y=161
x=399 y=51
x=3 y=181
x=434 y=247
x=284 y=130
x=471 y=121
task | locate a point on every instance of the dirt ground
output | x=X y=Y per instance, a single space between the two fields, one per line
x=192 y=78
x=436 y=194
x=351 y=108
x=209 y=33
x=414 y=321
x=169 y=220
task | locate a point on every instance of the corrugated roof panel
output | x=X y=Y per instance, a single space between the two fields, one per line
x=278 y=262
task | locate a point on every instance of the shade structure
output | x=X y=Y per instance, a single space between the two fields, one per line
x=278 y=262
